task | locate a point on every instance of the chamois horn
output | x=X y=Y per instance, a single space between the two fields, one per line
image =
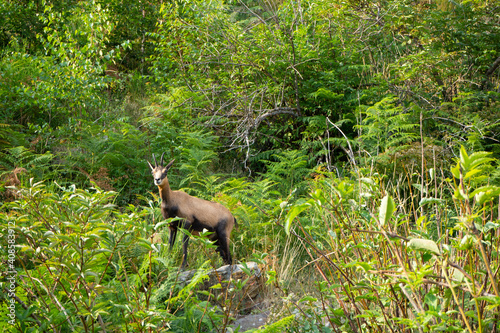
x=161 y=159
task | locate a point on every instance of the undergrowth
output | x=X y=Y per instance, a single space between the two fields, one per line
x=351 y=256
x=423 y=263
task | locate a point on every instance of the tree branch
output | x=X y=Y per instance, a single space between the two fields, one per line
x=273 y=112
x=489 y=73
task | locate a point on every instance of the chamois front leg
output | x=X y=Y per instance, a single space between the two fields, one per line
x=173 y=236
x=185 y=242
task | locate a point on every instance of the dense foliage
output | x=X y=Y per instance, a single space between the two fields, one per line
x=356 y=142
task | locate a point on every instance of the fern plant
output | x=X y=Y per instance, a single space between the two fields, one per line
x=385 y=127
x=288 y=170
x=197 y=156
x=21 y=158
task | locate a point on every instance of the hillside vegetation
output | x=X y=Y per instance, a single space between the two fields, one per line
x=356 y=142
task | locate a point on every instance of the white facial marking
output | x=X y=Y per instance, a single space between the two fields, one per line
x=159 y=174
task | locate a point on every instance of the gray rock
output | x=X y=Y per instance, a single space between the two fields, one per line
x=251 y=321
x=227 y=276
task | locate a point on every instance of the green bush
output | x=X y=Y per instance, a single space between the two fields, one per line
x=82 y=264
x=384 y=266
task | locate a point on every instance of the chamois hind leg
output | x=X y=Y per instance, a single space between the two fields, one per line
x=223 y=246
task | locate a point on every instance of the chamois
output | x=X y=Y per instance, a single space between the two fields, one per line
x=196 y=214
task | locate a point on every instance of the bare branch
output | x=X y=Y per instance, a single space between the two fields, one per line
x=489 y=73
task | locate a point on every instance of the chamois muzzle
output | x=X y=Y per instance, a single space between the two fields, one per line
x=159 y=171
x=157 y=181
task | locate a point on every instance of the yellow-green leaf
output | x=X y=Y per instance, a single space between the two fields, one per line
x=387 y=207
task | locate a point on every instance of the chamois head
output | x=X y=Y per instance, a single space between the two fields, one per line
x=159 y=171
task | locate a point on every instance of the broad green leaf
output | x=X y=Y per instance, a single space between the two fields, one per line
x=367 y=181
x=478 y=158
x=456 y=171
x=308 y=299
x=458 y=275
x=431 y=300
x=472 y=173
x=485 y=193
x=332 y=234
x=427 y=201
x=464 y=158
x=166 y=222
x=490 y=299
x=366 y=266
x=161 y=224
x=467 y=242
x=489 y=226
x=427 y=245
x=319 y=197
x=421 y=221
x=387 y=207
x=292 y=214
x=432 y=173
x=459 y=194
x=144 y=243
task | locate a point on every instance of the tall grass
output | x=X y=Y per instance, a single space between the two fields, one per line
x=386 y=262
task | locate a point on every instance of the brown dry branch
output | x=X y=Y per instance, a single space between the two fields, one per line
x=10 y=181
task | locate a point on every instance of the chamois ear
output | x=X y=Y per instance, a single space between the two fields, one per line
x=169 y=164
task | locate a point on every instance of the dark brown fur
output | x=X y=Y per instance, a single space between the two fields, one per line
x=197 y=214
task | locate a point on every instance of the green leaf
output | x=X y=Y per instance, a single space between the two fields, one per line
x=427 y=201
x=144 y=243
x=296 y=210
x=485 y=193
x=431 y=300
x=432 y=173
x=478 y=158
x=308 y=299
x=472 y=173
x=387 y=207
x=456 y=171
x=490 y=299
x=489 y=226
x=426 y=245
x=467 y=242
x=216 y=286
x=464 y=158
x=166 y=222
x=366 y=266
x=161 y=224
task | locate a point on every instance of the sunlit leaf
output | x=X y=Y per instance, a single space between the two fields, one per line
x=420 y=244
x=294 y=211
x=387 y=207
